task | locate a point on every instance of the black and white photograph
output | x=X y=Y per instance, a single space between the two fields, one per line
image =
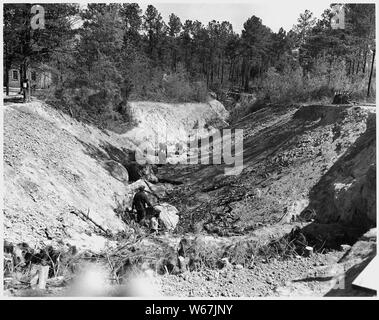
x=181 y=150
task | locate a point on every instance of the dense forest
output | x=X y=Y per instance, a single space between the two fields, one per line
x=103 y=55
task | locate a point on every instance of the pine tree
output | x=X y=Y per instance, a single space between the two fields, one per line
x=24 y=45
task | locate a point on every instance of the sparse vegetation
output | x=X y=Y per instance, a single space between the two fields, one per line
x=292 y=86
x=308 y=179
x=107 y=61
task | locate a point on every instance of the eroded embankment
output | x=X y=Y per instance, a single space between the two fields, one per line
x=67 y=182
x=308 y=163
x=291 y=155
x=170 y=124
x=50 y=170
x=55 y=166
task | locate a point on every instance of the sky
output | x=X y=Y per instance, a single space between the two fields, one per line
x=274 y=14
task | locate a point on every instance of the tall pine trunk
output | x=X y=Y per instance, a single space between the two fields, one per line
x=26 y=52
x=222 y=72
x=364 y=63
x=372 y=67
x=6 y=78
x=20 y=79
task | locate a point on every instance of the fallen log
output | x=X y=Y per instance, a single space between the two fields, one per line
x=86 y=217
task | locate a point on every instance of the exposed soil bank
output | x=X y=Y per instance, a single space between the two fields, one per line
x=55 y=165
x=311 y=167
x=299 y=164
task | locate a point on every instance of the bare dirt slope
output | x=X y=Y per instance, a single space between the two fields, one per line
x=171 y=123
x=49 y=169
x=54 y=164
x=315 y=164
x=300 y=165
x=294 y=158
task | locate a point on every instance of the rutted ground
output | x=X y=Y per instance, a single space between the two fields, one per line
x=54 y=164
x=314 y=164
x=291 y=155
x=322 y=274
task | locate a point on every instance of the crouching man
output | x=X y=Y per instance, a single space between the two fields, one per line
x=140 y=203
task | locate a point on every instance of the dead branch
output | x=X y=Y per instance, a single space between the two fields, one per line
x=86 y=217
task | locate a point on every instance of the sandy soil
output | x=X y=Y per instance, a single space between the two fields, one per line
x=56 y=164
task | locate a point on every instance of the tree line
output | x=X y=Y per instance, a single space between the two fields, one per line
x=104 y=54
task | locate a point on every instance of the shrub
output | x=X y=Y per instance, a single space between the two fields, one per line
x=199 y=91
x=292 y=85
x=157 y=84
x=177 y=88
x=282 y=87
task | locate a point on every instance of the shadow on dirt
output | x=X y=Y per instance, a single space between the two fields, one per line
x=119 y=163
x=270 y=140
x=346 y=288
x=312 y=279
x=342 y=216
x=16 y=99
